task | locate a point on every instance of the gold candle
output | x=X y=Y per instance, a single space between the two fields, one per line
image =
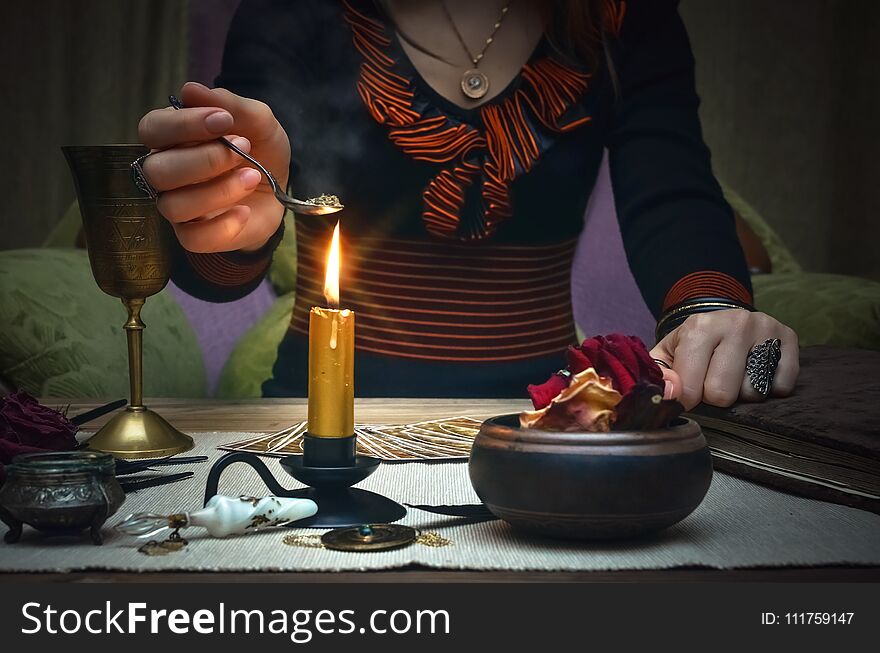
x=331 y=359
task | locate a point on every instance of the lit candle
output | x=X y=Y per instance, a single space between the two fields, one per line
x=331 y=359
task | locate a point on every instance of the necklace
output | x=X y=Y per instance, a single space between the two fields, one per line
x=475 y=84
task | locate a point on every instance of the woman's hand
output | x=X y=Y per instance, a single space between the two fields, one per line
x=708 y=353
x=212 y=198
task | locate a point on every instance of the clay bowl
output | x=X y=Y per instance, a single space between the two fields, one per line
x=590 y=485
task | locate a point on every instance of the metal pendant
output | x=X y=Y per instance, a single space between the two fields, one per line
x=474 y=84
x=369 y=537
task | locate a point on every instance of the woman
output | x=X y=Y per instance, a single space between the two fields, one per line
x=464 y=138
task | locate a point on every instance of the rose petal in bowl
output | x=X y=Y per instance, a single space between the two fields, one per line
x=587 y=404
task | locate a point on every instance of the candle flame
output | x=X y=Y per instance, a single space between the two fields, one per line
x=331 y=280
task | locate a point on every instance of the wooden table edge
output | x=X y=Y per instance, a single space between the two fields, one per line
x=419 y=574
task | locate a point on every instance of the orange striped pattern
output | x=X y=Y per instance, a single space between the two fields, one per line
x=615 y=10
x=440 y=300
x=706 y=284
x=220 y=270
x=503 y=149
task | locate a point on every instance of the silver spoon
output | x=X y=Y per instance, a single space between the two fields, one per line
x=323 y=205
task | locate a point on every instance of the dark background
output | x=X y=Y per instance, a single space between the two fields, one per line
x=791 y=92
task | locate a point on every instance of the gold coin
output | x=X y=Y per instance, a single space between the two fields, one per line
x=369 y=537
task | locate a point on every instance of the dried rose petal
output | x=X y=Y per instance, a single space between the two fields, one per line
x=544 y=393
x=26 y=426
x=645 y=409
x=578 y=361
x=610 y=365
x=587 y=404
x=632 y=351
x=25 y=420
x=624 y=359
x=9 y=450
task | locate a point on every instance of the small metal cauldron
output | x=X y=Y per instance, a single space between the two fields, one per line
x=60 y=493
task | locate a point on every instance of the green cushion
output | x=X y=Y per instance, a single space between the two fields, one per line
x=823 y=308
x=282 y=274
x=61 y=336
x=251 y=361
x=780 y=257
x=64 y=233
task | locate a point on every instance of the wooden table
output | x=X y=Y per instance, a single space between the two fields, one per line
x=269 y=415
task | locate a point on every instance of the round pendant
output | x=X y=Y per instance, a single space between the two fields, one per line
x=369 y=537
x=474 y=84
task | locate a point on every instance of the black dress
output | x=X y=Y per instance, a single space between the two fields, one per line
x=460 y=225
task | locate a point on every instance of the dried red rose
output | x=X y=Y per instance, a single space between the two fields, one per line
x=625 y=368
x=27 y=426
x=645 y=408
x=585 y=405
x=25 y=420
x=623 y=359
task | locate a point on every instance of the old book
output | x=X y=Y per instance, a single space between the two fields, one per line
x=822 y=442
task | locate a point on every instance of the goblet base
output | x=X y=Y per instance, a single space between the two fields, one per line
x=139 y=433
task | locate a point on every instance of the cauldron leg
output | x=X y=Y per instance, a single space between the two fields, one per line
x=97 y=524
x=14 y=533
x=95 y=532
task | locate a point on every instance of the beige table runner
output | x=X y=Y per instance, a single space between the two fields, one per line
x=738 y=525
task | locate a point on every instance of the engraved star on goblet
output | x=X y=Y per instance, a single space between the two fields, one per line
x=129 y=245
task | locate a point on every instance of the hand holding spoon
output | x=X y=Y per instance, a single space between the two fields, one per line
x=322 y=205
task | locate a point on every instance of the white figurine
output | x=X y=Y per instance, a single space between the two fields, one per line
x=224 y=516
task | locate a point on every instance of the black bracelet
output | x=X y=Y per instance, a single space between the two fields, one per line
x=673 y=317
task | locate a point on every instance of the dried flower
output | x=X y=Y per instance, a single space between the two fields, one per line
x=587 y=404
x=624 y=359
x=574 y=400
x=544 y=393
x=326 y=200
x=644 y=408
x=27 y=426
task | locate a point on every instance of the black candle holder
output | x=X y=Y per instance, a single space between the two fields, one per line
x=329 y=467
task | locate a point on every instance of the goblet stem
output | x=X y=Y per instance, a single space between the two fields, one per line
x=134 y=329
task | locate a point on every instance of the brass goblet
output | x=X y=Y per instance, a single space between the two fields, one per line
x=129 y=245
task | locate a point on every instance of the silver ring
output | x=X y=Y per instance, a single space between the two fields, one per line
x=762 y=363
x=137 y=175
x=662 y=363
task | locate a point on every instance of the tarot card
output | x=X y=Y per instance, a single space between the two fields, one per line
x=462 y=426
x=439 y=439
